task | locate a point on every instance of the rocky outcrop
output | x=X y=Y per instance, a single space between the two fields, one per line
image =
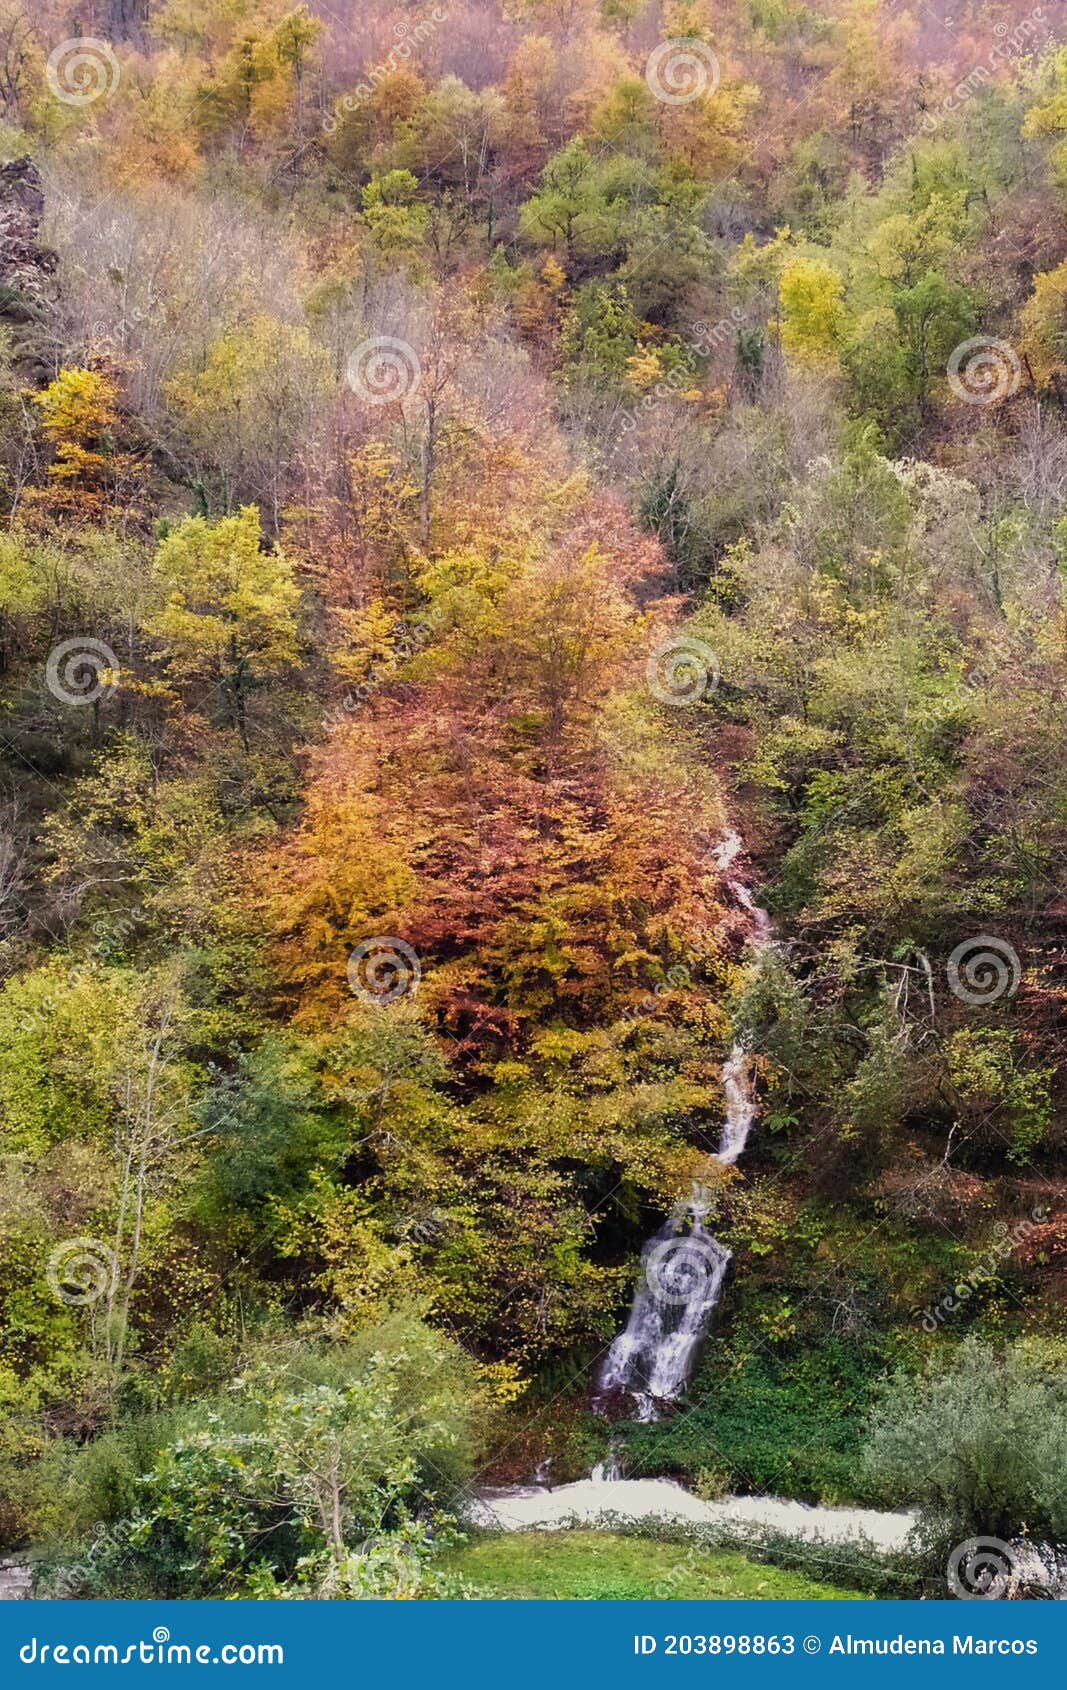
x=16 y=1581
x=27 y=269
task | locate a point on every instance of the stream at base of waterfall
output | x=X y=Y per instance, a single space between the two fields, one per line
x=682 y=1265
x=681 y=1276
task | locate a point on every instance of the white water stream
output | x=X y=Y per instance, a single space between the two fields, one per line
x=681 y=1278
x=602 y=1501
x=682 y=1265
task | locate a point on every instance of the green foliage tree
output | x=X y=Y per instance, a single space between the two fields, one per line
x=230 y=614
x=324 y=1474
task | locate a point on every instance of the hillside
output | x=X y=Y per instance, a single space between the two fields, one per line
x=497 y=496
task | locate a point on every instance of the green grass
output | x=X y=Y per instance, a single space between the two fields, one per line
x=605 y=1566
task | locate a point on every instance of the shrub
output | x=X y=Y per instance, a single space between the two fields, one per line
x=322 y=1471
x=980 y=1445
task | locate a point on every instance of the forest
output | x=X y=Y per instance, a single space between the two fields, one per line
x=532 y=623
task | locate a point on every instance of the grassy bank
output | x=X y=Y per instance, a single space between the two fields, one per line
x=605 y=1566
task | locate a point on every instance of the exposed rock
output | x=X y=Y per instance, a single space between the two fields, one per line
x=16 y=1581
x=27 y=269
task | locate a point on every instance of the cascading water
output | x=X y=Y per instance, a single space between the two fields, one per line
x=682 y=1270
x=682 y=1265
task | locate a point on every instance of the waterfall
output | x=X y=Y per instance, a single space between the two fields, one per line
x=682 y=1265
x=608 y=1471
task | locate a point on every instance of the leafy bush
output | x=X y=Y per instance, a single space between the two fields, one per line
x=324 y=1470
x=980 y=1445
x=792 y=1426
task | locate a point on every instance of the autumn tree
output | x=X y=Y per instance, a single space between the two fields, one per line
x=230 y=613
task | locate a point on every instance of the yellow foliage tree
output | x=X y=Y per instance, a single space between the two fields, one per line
x=813 y=314
x=230 y=615
x=1044 y=324
x=78 y=412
